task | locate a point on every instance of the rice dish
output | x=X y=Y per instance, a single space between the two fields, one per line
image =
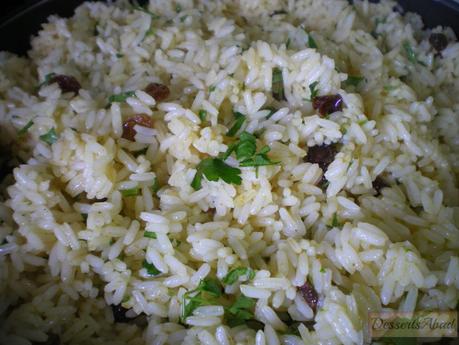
x=227 y=172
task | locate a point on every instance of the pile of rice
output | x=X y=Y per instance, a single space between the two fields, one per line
x=73 y=244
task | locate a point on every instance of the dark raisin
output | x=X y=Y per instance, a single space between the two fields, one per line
x=379 y=184
x=128 y=126
x=438 y=41
x=158 y=91
x=310 y=295
x=119 y=314
x=53 y=339
x=66 y=83
x=327 y=104
x=322 y=155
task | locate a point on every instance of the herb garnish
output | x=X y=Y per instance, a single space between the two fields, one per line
x=121 y=97
x=234 y=275
x=50 y=137
x=150 y=268
x=205 y=294
x=410 y=54
x=202 y=115
x=214 y=169
x=245 y=150
x=150 y=234
x=238 y=122
x=25 y=129
x=47 y=80
x=240 y=311
x=155 y=186
x=144 y=10
x=353 y=80
x=130 y=192
x=313 y=89
x=311 y=42
x=278 y=85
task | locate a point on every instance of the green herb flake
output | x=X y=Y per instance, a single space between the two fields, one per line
x=287 y=44
x=313 y=89
x=278 y=85
x=118 y=55
x=182 y=19
x=240 y=311
x=121 y=97
x=234 y=275
x=144 y=10
x=150 y=234
x=272 y=111
x=155 y=186
x=150 y=268
x=205 y=294
x=410 y=54
x=322 y=270
x=311 y=42
x=238 y=122
x=214 y=169
x=354 y=80
x=47 y=80
x=335 y=222
x=130 y=192
x=50 y=137
x=246 y=147
x=202 y=115
x=26 y=128
x=178 y=8
x=212 y=88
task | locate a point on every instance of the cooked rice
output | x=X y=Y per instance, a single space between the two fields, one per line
x=73 y=243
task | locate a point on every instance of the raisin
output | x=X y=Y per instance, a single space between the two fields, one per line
x=310 y=295
x=66 y=83
x=158 y=91
x=128 y=126
x=53 y=339
x=327 y=104
x=119 y=314
x=322 y=155
x=379 y=184
x=438 y=41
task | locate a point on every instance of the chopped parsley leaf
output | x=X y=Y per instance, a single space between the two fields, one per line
x=26 y=128
x=130 y=192
x=245 y=150
x=182 y=19
x=178 y=8
x=121 y=97
x=118 y=55
x=322 y=270
x=234 y=275
x=278 y=85
x=150 y=268
x=214 y=169
x=144 y=10
x=410 y=54
x=313 y=89
x=287 y=44
x=240 y=311
x=202 y=115
x=311 y=42
x=150 y=234
x=205 y=294
x=50 y=137
x=212 y=88
x=238 y=122
x=155 y=186
x=272 y=111
x=354 y=80
x=47 y=80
